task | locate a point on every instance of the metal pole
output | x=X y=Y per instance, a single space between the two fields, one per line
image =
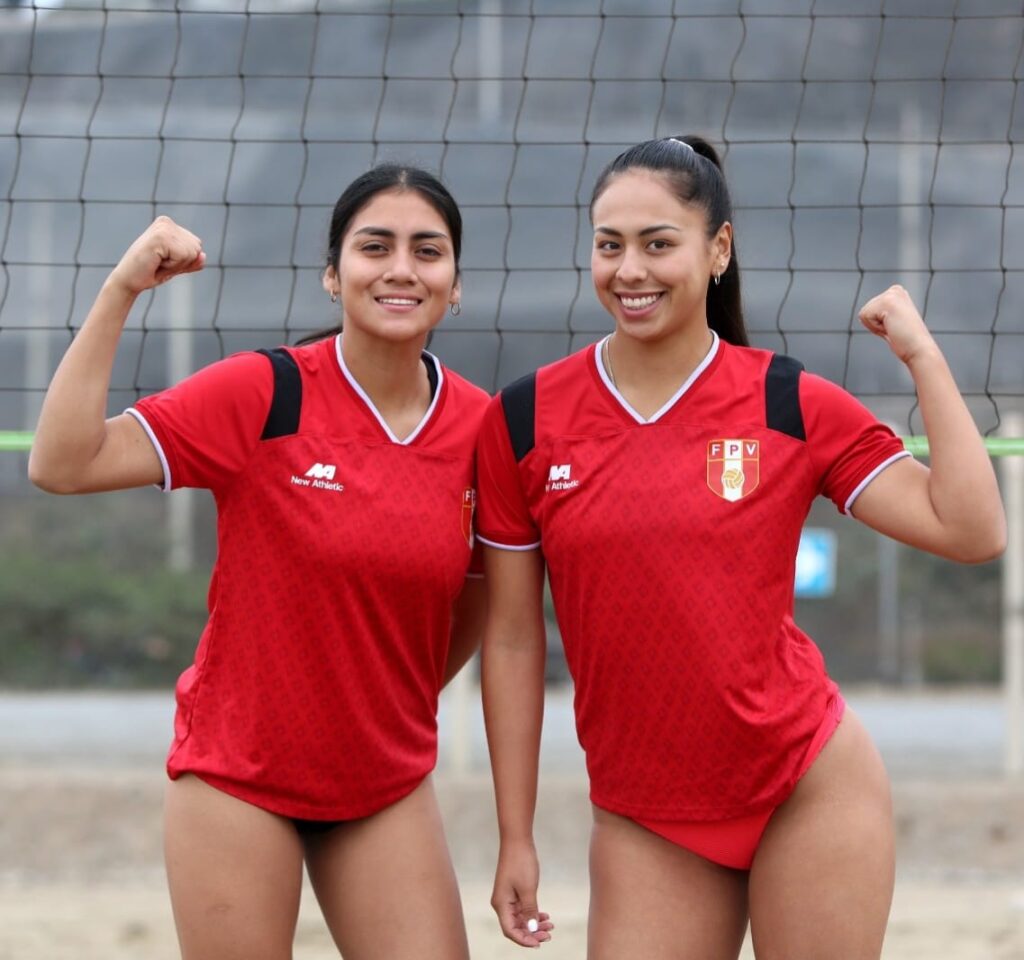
x=909 y=186
x=488 y=59
x=181 y=506
x=888 y=609
x=889 y=615
x=912 y=647
x=890 y=653
x=1012 y=469
x=40 y=282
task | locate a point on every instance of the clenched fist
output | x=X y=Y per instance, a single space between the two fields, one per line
x=162 y=252
x=893 y=317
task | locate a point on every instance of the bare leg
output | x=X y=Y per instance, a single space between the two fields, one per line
x=653 y=900
x=822 y=880
x=386 y=884
x=235 y=873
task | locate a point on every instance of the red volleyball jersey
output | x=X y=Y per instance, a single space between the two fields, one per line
x=340 y=552
x=671 y=546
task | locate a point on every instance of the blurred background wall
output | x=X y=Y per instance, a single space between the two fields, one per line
x=866 y=142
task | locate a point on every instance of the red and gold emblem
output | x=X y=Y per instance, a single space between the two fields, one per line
x=733 y=468
x=468 y=506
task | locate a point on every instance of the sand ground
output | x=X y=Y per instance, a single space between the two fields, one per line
x=81 y=875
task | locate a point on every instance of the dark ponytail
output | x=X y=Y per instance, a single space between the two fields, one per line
x=693 y=170
x=383 y=177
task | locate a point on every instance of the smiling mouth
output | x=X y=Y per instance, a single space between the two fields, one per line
x=398 y=301
x=641 y=302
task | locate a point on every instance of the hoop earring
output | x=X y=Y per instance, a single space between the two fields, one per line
x=334 y=298
x=456 y=309
x=718 y=279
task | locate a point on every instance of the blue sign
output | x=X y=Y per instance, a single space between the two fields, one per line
x=816 y=563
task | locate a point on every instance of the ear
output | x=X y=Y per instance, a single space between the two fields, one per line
x=330 y=281
x=721 y=247
x=456 y=295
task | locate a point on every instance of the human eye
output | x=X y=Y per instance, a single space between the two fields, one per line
x=430 y=252
x=373 y=246
x=659 y=244
x=606 y=246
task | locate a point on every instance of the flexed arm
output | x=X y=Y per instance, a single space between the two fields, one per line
x=952 y=509
x=514 y=651
x=76 y=450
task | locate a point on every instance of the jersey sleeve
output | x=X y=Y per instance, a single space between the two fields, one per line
x=504 y=519
x=205 y=428
x=848 y=445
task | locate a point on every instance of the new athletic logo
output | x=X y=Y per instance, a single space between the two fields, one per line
x=321 y=471
x=319 y=476
x=560 y=477
x=734 y=468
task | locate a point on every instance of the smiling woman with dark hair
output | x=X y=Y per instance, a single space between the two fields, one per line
x=306 y=729
x=662 y=476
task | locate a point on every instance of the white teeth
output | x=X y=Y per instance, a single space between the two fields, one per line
x=638 y=303
x=398 y=301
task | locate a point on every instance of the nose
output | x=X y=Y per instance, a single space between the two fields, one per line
x=401 y=269
x=632 y=267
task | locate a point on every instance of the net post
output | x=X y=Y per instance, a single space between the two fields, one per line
x=1012 y=470
x=37 y=348
x=181 y=506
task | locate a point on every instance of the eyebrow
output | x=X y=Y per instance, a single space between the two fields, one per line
x=390 y=234
x=657 y=228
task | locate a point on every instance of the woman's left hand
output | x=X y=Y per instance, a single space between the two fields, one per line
x=892 y=316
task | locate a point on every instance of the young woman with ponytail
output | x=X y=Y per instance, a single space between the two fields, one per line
x=306 y=729
x=662 y=477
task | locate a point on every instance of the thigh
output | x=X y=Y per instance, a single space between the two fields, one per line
x=822 y=879
x=386 y=885
x=235 y=874
x=653 y=900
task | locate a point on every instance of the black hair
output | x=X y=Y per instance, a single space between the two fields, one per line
x=693 y=172
x=378 y=179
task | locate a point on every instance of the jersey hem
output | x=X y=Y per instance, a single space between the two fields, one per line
x=144 y=423
x=832 y=716
x=690 y=814
x=241 y=791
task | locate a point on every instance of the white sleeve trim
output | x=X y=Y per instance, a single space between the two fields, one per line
x=132 y=412
x=859 y=489
x=507 y=546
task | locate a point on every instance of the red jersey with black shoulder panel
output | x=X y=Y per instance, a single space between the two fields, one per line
x=340 y=552
x=671 y=546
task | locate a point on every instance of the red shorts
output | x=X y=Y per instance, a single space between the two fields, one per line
x=733 y=843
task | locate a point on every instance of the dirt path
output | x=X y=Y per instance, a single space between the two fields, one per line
x=81 y=875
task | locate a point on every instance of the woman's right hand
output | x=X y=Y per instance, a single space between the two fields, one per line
x=163 y=251
x=515 y=895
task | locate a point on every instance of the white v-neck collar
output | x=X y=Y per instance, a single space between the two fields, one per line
x=672 y=401
x=347 y=374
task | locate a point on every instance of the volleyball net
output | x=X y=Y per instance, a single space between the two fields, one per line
x=866 y=142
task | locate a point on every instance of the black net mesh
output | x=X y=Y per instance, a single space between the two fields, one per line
x=866 y=142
